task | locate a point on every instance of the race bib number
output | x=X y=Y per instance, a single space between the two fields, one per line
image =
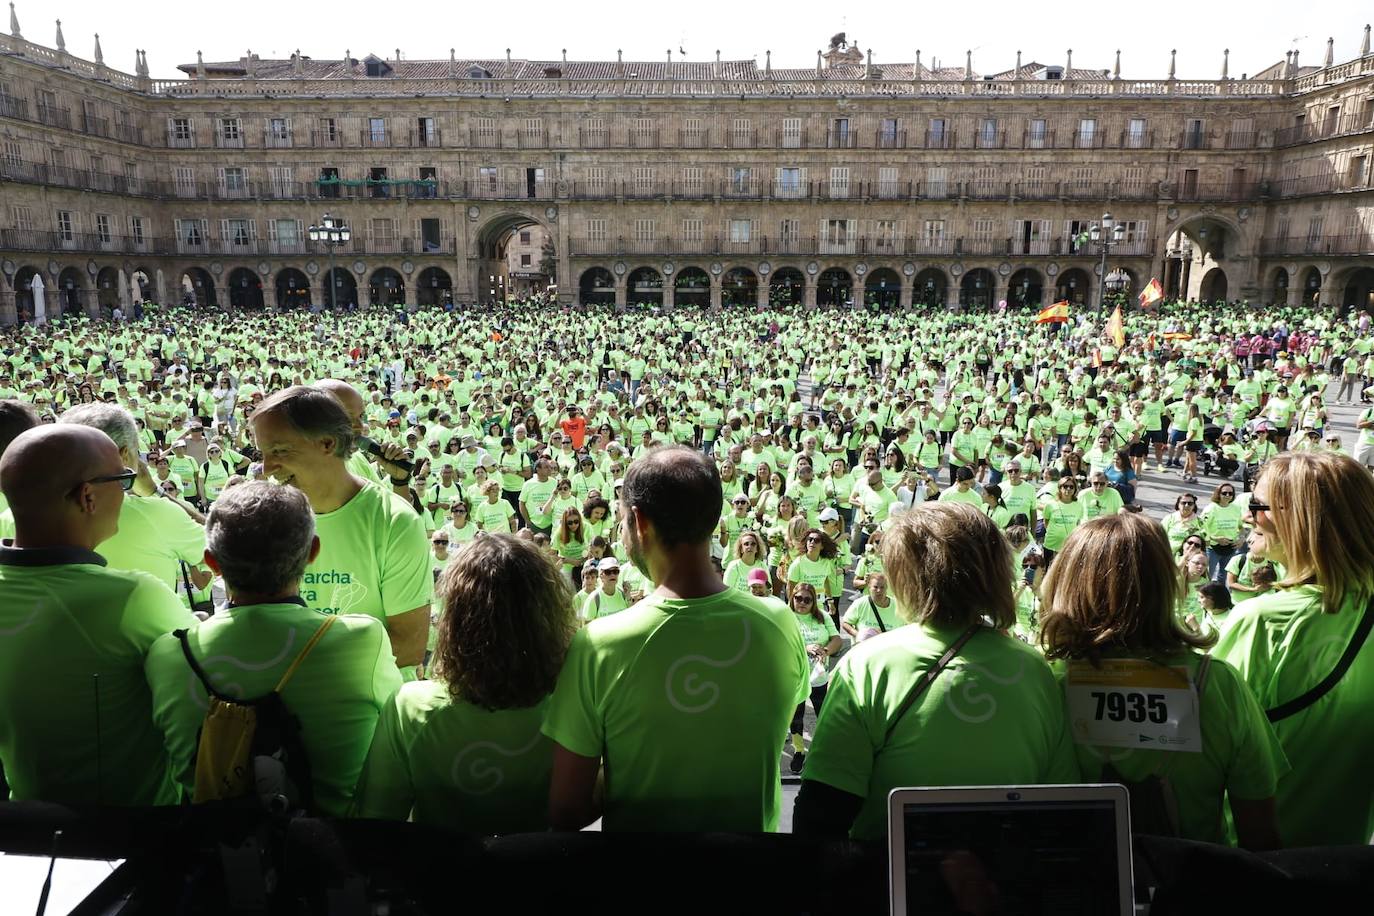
x=1135 y=704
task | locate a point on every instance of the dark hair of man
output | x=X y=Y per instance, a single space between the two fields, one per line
x=678 y=490
x=15 y=418
x=313 y=413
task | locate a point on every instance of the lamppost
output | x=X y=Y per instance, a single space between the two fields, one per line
x=1117 y=282
x=1106 y=234
x=332 y=233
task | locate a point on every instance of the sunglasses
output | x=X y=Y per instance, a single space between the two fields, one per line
x=125 y=478
x=1255 y=505
x=803 y=599
x=441 y=542
x=1187 y=502
x=1099 y=483
x=611 y=573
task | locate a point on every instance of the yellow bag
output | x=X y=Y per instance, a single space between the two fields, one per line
x=252 y=749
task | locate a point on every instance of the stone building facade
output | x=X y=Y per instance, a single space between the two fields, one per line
x=679 y=183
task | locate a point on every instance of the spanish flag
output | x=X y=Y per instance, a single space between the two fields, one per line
x=1152 y=293
x=1114 y=328
x=1058 y=312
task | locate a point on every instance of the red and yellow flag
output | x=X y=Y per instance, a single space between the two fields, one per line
x=1115 y=330
x=1151 y=294
x=1058 y=312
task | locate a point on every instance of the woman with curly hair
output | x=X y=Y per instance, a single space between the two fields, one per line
x=464 y=750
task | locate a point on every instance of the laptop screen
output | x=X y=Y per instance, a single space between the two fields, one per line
x=1013 y=856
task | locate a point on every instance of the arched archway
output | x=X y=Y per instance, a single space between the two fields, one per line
x=883 y=288
x=1072 y=286
x=1277 y=289
x=596 y=287
x=386 y=287
x=293 y=289
x=930 y=287
x=834 y=287
x=739 y=286
x=23 y=293
x=515 y=255
x=71 y=285
x=644 y=287
x=107 y=288
x=434 y=287
x=691 y=288
x=340 y=289
x=141 y=284
x=786 y=287
x=1358 y=292
x=975 y=290
x=198 y=288
x=1026 y=289
x=245 y=290
x=1311 y=286
x=1213 y=288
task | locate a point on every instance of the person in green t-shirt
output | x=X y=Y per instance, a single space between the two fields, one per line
x=1062 y=514
x=465 y=750
x=76 y=724
x=993 y=714
x=684 y=695
x=822 y=643
x=261 y=537
x=873 y=613
x=374 y=557
x=1316 y=513
x=1220 y=745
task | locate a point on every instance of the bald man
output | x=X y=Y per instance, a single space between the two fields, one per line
x=76 y=723
x=359 y=462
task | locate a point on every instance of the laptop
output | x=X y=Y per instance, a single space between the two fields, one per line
x=1064 y=850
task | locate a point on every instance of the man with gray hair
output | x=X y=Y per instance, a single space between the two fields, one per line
x=374 y=557
x=155 y=534
x=261 y=538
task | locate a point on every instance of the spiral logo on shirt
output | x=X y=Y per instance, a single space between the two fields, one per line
x=693 y=687
x=474 y=771
x=348 y=596
x=24 y=624
x=223 y=679
x=967 y=699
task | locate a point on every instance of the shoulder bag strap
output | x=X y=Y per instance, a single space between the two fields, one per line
x=878 y=616
x=928 y=677
x=1357 y=640
x=319 y=634
x=199 y=672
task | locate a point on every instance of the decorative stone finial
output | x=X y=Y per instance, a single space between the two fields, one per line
x=61 y=42
x=1173 y=59
x=968 y=65
x=1068 y=65
x=1330 y=50
x=99 y=54
x=1364 y=45
x=14 y=23
x=1226 y=64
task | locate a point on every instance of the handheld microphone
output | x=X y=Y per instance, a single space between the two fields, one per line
x=375 y=450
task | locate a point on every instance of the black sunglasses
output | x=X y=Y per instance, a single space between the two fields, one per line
x=125 y=478
x=1257 y=506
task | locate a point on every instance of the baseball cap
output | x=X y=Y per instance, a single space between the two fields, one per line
x=469 y=442
x=608 y=563
x=829 y=514
x=757 y=577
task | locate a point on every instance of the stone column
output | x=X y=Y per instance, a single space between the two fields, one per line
x=904 y=300
x=9 y=313
x=620 y=292
x=761 y=295
x=715 y=293
x=809 y=293
x=1001 y=292
x=952 y=293
x=668 y=291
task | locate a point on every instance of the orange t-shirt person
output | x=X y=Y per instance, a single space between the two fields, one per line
x=575 y=428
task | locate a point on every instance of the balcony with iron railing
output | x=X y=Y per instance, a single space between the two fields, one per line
x=12 y=107
x=871 y=246
x=39 y=240
x=95 y=127
x=54 y=116
x=1352 y=244
x=1346 y=125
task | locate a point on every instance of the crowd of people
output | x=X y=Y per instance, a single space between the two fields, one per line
x=527 y=567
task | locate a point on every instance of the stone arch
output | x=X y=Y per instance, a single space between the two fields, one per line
x=488 y=246
x=739 y=286
x=596 y=286
x=1355 y=286
x=786 y=287
x=883 y=288
x=293 y=289
x=930 y=287
x=834 y=286
x=644 y=286
x=340 y=288
x=1214 y=286
x=23 y=292
x=977 y=287
x=1276 y=285
x=70 y=292
x=691 y=288
x=244 y=287
x=386 y=286
x=433 y=287
x=107 y=287
x=1075 y=286
x=197 y=287
x=1026 y=289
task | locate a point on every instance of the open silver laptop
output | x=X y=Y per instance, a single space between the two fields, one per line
x=1010 y=849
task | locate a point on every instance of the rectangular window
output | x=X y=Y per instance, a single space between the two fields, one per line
x=937 y=178
x=1189 y=183
x=66 y=225
x=136 y=229
x=1314 y=232
x=238 y=233
x=692 y=180
x=885 y=235
x=693 y=132
x=789 y=231
x=1081 y=178
x=596 y=180
x=691 y=230
x=791 y=133
x=486 y=132
x=131 y=176
x=839 y=182
x=102 y=228
x=1242 y=134
x=888 y=133
x=534 y=131
x=788 y=183
x=596 y=230
x=233 y=181
x=740 y=230
x=1035 y=133
x=643 y=129
x=741 y=132
x=741 y=179
x=838 y=236
x=191 y=232
x=13 y=154
x=1358 y=171
x=278 y=132
x=376 y=131
x=431 y=234
x=329 y=130
x=1031 y=236
x=1133 y=178
x=983 y=230
x=280 y=178
x=1333 y=116
x=1087 y=133
x=382 y=232
x=934 y=235
x=935 y=135
x=643 y=179
x=488 y=179
x=839 y=133
x=985 y=178
x=645 y=230
x=184 y=179
x=180 y=133
x=1135 y=133
x=288 y=234
x=987 y=133
x=1193 y=136
x=230 y=132
x=426 y=132
x=524 y=260
x=888 y=185
x=1137 y=231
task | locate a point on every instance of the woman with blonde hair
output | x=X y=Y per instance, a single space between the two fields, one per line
x=464 y=750
x=1108 y=622
x=1303 y=647
x=570 y=542
x=946 y=701
x=748 y=557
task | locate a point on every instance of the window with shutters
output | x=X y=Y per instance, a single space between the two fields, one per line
x=885 y=235
x=1031 y=236
x=1081 y=178
x=131 y=177
x=889 y=133
x=102 y=228
x=233 y=181
x=382 y=231
x=190 y=233
x=280 y=177
x=284 y=235
x=594 y=132
x=985 y=178
x=788 y=182
x=643 y=179
x=937 y=182
x=791 y=133
x=596 y=230
x=534 y=130
x=1086 y=138
x=838 y=236
x=230 y=132
x=987 y=133
x=983 y=230
x=22 y=216
x=238 y=233
x=741 y=179
x=596 y=180
x=888 y=185
x=278 y=132
x=692 y=230
x=180 y=133
x=1036 y=133
x=839 y=182
x=789 y=231
x=741 y=230
x=1358 y=171
x=1135 y=133
x=1137 y=231
x=1314 y=231
x=1035 y=179
x=486 y=132
x=136 y=229
x=741 y=132
x=488 y=179
x=935 y=134
x=66 y=225
x=376 y=131
x=58 y=158
x=14 y=155
x=693 y=132
x=643 y=131
x=329 y=130
x=933 y=235
x=693 y=180
x=645 y=230
x=1133 y=178
x=184 y=180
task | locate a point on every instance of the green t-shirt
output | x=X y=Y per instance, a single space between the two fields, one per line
x=1283 y=645
x=374 y=558
x=533 y=494
x=687 y=700
x=1060 y=520
x=456 y=765
x=863 y=614
x=1240 y=754
x=993 y=716
x=814 y=572
x=953 y=495
x=156 y=536
x=599 y=604
x=494 y=517
x=336 y=693
x=75 y=636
